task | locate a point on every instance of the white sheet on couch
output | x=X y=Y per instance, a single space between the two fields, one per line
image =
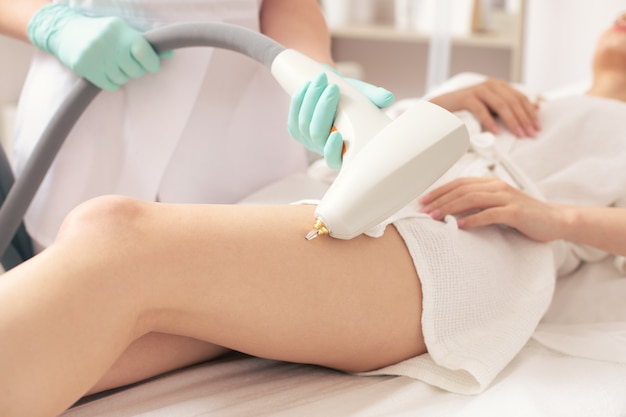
x=538 y=383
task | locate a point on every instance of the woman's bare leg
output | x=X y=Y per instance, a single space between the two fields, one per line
x=155 y=354
x=241 y=277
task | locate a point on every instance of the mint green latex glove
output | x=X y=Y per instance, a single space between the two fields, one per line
x=312 y=114
x=104 y=50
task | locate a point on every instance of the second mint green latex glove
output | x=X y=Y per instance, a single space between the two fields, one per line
x=312 y=114
x=104 y=50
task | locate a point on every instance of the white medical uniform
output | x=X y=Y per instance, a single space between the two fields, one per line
x=209 y=127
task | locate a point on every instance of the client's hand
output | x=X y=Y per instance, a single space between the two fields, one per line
x=312 y=114
x=484 y=201
x=495 y=98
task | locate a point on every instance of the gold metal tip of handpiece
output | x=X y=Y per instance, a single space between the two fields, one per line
x=319 y=229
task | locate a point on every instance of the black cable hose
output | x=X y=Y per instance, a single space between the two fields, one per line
x=181 y=35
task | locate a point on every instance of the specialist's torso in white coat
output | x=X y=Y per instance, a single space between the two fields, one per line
x=210 y=127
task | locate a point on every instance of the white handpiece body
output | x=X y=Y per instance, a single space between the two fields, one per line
x=357 y=118
x=387 y=163
x=395 y=167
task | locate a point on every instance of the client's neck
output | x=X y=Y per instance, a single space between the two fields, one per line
x=609 y=85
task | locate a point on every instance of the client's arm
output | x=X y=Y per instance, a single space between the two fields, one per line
x=485 y=201
x=494 y=98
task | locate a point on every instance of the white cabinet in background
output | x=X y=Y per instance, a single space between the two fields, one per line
x=397 y=58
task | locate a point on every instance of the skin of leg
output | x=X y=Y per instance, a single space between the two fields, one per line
x=155 y=354
x=241 y=277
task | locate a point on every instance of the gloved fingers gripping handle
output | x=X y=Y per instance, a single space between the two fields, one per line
x=113 y=80
x=143 y=53
x=333 y=150
x=130 y=67
x=293 y=119
x=381 y=97
x=312 y=112
x=313 y=109
x=308 y=109
x=324 y=115
x=104 y=50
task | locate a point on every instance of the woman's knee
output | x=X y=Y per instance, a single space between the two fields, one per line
x=102 y=220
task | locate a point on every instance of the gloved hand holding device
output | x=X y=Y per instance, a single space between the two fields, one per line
x=104 y=50
x=312 y=114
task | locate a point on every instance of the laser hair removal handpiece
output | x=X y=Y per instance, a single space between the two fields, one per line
x=386 y=165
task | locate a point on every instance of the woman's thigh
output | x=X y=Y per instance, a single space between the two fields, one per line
x=245 y=278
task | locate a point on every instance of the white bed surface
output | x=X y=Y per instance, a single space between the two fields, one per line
x=538 y=383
